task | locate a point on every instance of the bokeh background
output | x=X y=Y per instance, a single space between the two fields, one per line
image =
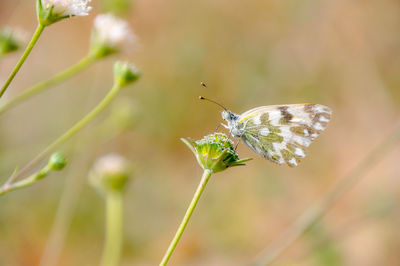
x=340 y=53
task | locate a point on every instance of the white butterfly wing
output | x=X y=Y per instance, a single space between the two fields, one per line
x=280 y=133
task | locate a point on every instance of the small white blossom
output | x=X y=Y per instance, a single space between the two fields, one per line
x=112 y=31
x=68 y=7
x=110 y=173
x=110 y=164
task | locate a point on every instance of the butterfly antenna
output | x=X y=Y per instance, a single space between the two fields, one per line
x=217 y=103
x=214 y=94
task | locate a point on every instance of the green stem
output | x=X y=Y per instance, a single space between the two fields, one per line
x=204 y=179
x=114 y=225
x=71 y=132
x=25 y=182
x=41 y=86
x=312 y=216
x=21 y=61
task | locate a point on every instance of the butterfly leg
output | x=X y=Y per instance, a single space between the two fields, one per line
x=237 y=144
x=225 y=126
x=219 y=125
x=216 y=129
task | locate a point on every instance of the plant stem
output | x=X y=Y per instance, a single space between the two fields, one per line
x=75 y=181
x=32 y=179
x=21 y=61
x=71 y=132
x=311 y=216
x=114 y=225
x=204 y=179
x=41 y=86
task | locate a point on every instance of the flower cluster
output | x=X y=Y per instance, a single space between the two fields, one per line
x=110 y=34
x=110 y=173
x=51 y=11
x=215 y=152
x=67 y=7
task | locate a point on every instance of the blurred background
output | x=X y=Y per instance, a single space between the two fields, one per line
x=340 y=53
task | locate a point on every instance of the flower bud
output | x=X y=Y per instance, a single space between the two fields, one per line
x=10 y=40
x=51 y=11
x=215 y=152
x=125 y=73
x=57 y=161
x=110 y=173
x=110 y=35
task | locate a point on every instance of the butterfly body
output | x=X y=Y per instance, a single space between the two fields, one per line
x=233 y=123
x=279 y=133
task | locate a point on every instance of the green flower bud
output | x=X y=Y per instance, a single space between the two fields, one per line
x=125 y=73
x=215 y=152
x=10 y=40
x=110 y=173
x=57 y=161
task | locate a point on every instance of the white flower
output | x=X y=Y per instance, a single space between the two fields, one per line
x=68 y=7
x=110 y=173
x=112 y=31
x=110 y=164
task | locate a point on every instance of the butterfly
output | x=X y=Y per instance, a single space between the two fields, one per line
x=279 y=133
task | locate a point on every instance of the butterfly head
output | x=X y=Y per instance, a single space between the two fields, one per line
x=232 y=123
x=228 y=116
